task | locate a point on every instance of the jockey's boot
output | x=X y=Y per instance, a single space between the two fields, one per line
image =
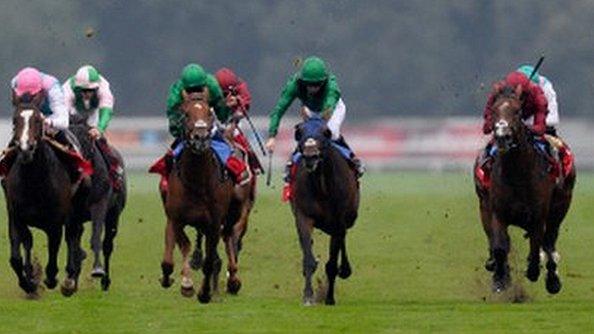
x=116 y=171
x=357 y=164
x=551 y=131
x=290 y=170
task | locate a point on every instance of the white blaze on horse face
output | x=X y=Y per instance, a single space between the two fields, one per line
x=501 y=128
x=310 y=147
x=24 y=140
x=200 y=124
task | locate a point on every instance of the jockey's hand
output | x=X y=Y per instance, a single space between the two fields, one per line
x=232 y=101
x=94 y=133
x=48 y=128
x=270 y=144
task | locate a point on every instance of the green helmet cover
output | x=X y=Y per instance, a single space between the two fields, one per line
x=193 y=75
x=313 y=70
x=527 y=70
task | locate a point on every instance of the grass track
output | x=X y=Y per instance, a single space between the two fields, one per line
x=417 y=252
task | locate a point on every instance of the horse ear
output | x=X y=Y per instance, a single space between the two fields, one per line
x=15 y=99
x=519 y=90
x=184 y=95
x=37 y=99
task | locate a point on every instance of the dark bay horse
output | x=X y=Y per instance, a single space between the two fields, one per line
x=199 y=195
x=326 y=196
x=522 y=193
x=99 y=201
x=38 y=194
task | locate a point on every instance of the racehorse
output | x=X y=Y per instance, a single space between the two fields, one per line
x=38 y=189
x=522 y=193
x=98 y=201
x=326 y=196
x=199 y=194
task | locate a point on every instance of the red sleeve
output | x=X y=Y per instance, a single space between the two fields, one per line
x=244 y=95
x=540 y=107
x=488 y=115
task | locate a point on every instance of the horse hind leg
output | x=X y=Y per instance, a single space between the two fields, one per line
x=232 y=246
x=111 y=230
x=98 y=216
x=197 y=258
x=167 y=263
x=332 y=267
x=187 y=285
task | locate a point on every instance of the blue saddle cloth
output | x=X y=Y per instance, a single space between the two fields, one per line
x=345 y=152
x=218 y=144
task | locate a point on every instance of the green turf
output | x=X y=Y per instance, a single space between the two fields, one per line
x=417 y=252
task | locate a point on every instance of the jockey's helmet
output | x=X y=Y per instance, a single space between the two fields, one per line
x=527 y=71
x=313 y=71
x=28 y=81
x=86 y=78
x=193 y=75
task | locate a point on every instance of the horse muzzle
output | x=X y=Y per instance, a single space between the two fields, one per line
x=311 y=154
x=503 y=135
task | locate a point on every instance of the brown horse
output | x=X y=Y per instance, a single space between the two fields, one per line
x=522 y=193
x=38 y=194
x=326 y=196
x=199 y=195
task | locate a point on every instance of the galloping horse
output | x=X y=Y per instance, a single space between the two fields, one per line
x=326 y=196
x=98 y=201
x=522 y=193
x=38 y=193
x=199 y=195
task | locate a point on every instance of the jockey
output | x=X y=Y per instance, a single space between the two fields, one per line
x=28 y=84
x=318 y=91
x=547 y=87
x=195 y=79
x=534 y=103
x=88 y=93
x=238 y=99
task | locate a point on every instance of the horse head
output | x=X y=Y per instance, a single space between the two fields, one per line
x=507 y=117
x=313 y=137
x=27 y=124
x=199 y=121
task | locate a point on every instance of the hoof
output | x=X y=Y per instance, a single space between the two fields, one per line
x=29 y=287
x=233 y=286
x=533 y=272
x=330 y=301
x=188 y=291
x=105 y=283
x=68 y=287
x=204 y=298
x=308 y=301
x=166 y=282
x=553 y=283
x=98 y=272
x=500 y=284
x=50 y=283
x=344 y=271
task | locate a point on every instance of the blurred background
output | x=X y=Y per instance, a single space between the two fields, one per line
x=414 y=74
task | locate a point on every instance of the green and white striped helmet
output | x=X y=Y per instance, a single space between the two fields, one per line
x=86 y=77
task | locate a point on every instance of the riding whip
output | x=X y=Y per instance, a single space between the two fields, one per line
x=258 y=139
x=535 y=70
x=269 y=176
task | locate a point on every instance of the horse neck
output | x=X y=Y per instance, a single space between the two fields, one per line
x=332 y=175
x=518 y=163
x=40 y=169
x=197 y=170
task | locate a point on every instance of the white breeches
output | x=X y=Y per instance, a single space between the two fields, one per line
x=335 y=121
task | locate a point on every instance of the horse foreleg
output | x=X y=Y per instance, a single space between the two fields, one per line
x=16 y=259
x=211 y=256
x=304 y=229
x=196 y=261
x=167 y=263
x=54 y=238
x=74 y=258
x=486 y=222
x=536 y=237
x=344 y=270
x=336 y=242
x=553 y=282
x=98 y=215
x=232 y=246
x=187 y=285
x=500 y=249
